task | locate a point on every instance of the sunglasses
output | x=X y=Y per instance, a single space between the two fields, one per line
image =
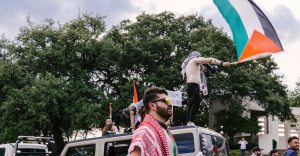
x=165 y=100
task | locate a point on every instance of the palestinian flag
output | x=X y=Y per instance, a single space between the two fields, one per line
x=253 y=34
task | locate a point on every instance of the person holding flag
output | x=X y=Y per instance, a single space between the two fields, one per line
x=136 y=109
x=131 y=116
x=193 y=68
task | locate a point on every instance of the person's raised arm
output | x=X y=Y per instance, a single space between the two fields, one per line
x=204 y=60
x=132 y=118
x=106 y=128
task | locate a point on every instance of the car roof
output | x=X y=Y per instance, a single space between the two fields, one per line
x=8 y=144
x=203 y=130
x=124 y=134
x=102 y=137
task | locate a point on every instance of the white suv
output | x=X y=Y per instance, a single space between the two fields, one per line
x=26 y=146
x=190 y=140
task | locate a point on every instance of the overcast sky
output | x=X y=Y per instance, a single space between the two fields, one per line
x=284 y=15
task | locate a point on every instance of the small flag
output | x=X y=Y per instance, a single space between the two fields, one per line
x=135 y=94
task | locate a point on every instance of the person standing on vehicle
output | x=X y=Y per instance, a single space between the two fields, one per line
x=193 y=68
x=293 y=146
x=135 y=115
x=152 y=136
x=131 y=116
x=243 y=145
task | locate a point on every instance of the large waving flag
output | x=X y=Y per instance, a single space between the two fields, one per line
x=253 y=34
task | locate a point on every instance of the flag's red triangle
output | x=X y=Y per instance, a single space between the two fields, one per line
x=135 y=95
x=259 y=44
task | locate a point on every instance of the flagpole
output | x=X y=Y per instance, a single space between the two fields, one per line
x=110 y=110
x=234 y=63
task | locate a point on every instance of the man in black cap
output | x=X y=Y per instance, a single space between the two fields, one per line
x=256 y=151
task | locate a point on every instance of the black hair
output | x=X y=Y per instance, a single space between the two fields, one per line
x=151 y=95
x=273 y=151
x=290 y=139
x=256 y=149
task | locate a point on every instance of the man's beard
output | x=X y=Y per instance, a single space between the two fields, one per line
x=164 y=112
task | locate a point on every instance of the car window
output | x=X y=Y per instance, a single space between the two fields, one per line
x=213 y=145
x=2 y=151
x=117 y=148
x=86 y=150
x=185 y=143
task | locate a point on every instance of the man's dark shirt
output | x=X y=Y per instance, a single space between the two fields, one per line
x=290 y=152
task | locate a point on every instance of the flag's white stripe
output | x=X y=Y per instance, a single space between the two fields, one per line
x=248 y=16
x=257 y=56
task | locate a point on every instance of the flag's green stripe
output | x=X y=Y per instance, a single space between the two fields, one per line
x=232 y=17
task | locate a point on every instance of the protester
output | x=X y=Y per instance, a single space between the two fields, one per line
x=152 y=136
x=243 y=146
x=293 y=143
x=256 y=151
x=274 y=152
x=131 y=116
x=135 y=115
x=109 y=127
x=193 y=67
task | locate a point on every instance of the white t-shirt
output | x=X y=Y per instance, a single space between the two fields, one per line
x=243 y=144
x=193 y=68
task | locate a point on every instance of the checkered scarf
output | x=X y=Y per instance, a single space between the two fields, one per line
x=150 y=138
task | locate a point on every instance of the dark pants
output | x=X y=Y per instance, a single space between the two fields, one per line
x=243 y=152
x=194 y=98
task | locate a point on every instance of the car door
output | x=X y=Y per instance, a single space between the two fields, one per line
x=116 y=145
x=187 y=141
x=213 y=145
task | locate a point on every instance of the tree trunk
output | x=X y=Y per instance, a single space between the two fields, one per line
x=58 y=138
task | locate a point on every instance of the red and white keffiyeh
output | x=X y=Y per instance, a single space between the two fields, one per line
x=150 y=138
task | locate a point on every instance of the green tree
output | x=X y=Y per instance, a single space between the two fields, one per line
x=295 y=96
x=61 y=97
x=12 y=77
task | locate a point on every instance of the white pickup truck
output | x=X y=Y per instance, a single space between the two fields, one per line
x=190 y=140
x=26 y=146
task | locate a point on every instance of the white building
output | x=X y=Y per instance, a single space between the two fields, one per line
x=272 y=130
x=278 y=131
